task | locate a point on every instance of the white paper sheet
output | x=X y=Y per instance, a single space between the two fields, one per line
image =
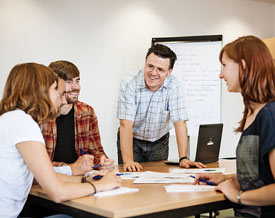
x=130 y=175
x=156 y=177
x=163 y=180
x=124 y=175
x=200 y=170
x=117 y=191
x=152 y=174
x=188 y=188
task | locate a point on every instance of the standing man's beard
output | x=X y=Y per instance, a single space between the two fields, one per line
x=73 y=100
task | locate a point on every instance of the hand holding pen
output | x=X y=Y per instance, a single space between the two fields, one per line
x=106 y=163
x=205 y=181
x=82 y=165
x=93 y=166
x=97 y=177
x=109 y=181
x=209 y=178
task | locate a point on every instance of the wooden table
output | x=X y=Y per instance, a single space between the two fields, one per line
x=152 y=200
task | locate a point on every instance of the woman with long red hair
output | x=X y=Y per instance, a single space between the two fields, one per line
x=248 y=68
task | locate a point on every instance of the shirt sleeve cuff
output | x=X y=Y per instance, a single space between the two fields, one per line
x=63 y=170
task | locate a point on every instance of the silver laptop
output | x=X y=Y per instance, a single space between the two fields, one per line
x=209 y=143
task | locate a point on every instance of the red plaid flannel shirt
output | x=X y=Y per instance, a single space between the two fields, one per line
x=87 y=135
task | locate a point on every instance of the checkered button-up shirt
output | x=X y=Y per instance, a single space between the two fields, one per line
x=87 y=135
x=151 y=112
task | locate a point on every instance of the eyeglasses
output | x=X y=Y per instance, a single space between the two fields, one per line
x=152 y=68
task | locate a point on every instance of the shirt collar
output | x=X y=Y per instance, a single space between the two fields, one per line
x=141 y=83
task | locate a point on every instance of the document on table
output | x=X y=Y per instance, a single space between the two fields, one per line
x=130 y=175
x=199 y=170
x=123 y=175
x=117 y=191
x=188 y=188
x=156 y=177
x=164 y=180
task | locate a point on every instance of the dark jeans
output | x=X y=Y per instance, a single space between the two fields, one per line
x=239 y=215
x=145 y=151
x=34 y=210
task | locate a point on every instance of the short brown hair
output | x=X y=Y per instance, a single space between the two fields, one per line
x=65 y=69
x=257 y=77
x=27 y=88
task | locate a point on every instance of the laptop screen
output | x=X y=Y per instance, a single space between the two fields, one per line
x=209 y=141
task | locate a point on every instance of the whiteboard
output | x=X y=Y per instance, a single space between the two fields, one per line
x=198 y=67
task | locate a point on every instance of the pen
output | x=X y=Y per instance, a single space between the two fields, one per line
x=81 y=151
x=99 y=177
x=207 y=182
x=209 y=170
x=95 y=166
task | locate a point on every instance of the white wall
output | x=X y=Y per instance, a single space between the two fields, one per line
x=108 y=39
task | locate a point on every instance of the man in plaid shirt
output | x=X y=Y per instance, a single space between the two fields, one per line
x=72 y=140
x=148 y=101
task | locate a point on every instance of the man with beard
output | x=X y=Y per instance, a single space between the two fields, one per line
x=72 y=140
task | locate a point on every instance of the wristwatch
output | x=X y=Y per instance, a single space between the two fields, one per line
x=183 y=158
x=239 y=197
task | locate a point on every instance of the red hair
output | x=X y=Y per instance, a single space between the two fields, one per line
x=27 y=88
x=256 y=76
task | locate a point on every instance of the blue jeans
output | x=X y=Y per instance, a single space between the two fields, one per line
x=145 y=151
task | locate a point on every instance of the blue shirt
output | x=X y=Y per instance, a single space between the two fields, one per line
x=151 y=112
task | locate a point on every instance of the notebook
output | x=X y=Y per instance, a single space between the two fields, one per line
x=208 y=145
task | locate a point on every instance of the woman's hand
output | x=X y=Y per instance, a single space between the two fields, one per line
x=106 y=163
x=229 y=189
x=215 y=178
x=109 y=181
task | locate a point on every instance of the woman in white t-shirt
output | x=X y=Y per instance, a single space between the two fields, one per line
x=33 y=94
